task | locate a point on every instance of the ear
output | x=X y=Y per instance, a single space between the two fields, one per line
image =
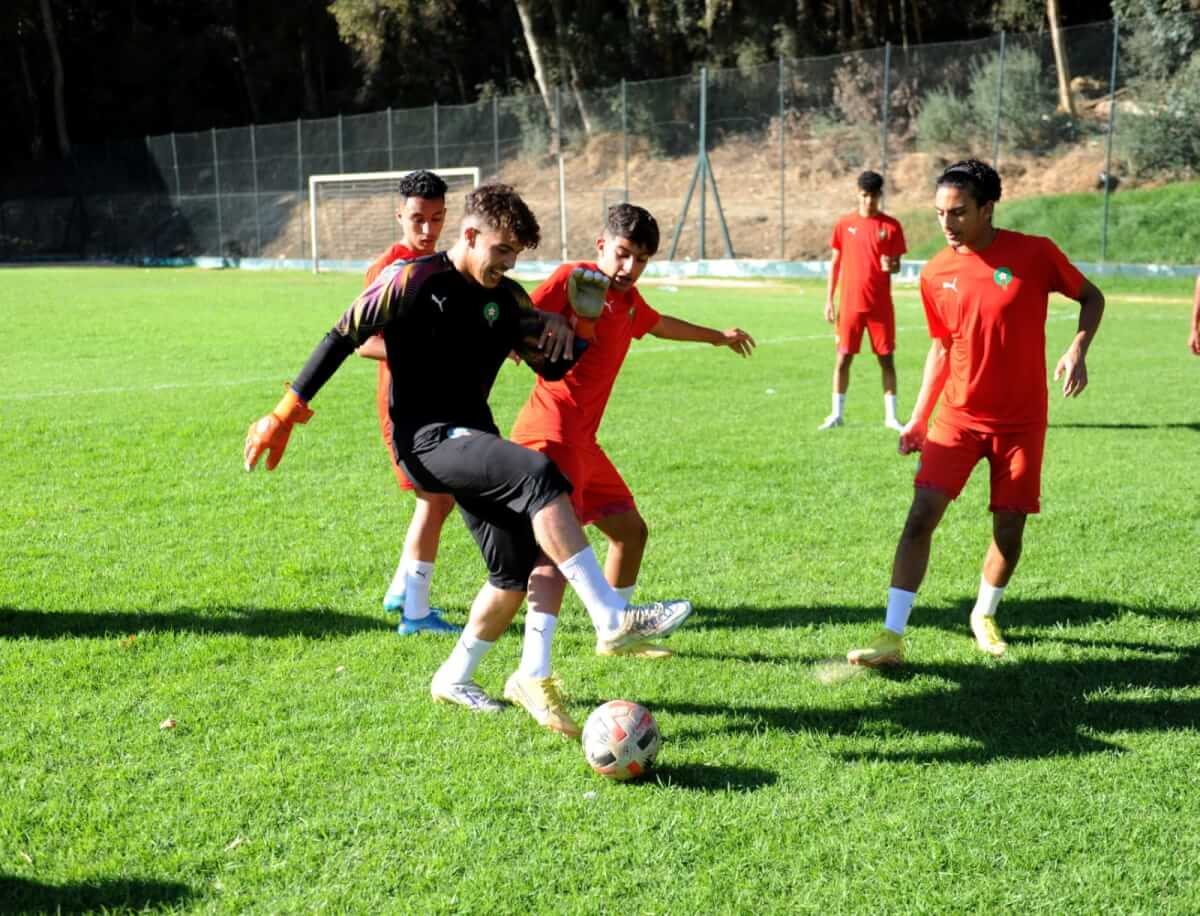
x=600 y=246
x=987 y=210
x=470 y=233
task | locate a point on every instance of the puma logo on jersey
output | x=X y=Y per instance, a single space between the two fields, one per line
x=953 y=284
x=852 y=230
x=439 y=301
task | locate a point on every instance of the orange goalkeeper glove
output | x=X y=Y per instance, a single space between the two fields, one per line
x=270 y=434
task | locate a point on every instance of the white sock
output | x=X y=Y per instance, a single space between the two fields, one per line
x=464 y=658
x=398 y=580
x=417 y=579
x=989 y=598
x=899 y=606
x=626 y=591
x=535 y=650
x=889 y=407
x=839 y=404
x=603 y=603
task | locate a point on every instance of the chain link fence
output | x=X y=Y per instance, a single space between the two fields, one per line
x=755 y=162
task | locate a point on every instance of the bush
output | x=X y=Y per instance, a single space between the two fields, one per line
x=1165 y=141
x=944 y=120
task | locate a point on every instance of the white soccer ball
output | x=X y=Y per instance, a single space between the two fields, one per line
x=620 y=740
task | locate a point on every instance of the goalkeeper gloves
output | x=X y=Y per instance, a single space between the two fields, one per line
x=270 y=434
x=586 y=290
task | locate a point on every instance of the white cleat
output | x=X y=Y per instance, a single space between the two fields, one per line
x=641 y=623
x=831 y=422
x=470 y=695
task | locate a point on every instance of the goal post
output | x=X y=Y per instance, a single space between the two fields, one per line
x=353 y=216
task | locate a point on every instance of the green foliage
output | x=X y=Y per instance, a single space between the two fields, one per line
x=147 y=577
x=945 y=119
x=1156 y=35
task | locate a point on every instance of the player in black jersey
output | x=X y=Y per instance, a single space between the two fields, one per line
x=449 y=320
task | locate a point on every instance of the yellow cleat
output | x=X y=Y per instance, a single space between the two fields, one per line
x=886 y=649
x=541 y=697
x=637 y=650
x=987 y=635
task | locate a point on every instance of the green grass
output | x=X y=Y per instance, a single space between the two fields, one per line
x=1146 y=226
x=147 y=577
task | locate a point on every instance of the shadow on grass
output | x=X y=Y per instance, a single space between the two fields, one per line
x=269 y=623
x=25 y=895
x=703 y=778
x=1195 y=427
x=1011 y=708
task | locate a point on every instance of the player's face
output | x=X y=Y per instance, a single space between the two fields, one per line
x=963 y=222
x=491 y=253
x=621 y=259
x=421 y=222
x=868 y=203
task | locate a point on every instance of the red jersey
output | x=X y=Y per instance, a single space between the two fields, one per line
x=398 y=252
x=990 y=308
x=573 y=407
x=859 y=241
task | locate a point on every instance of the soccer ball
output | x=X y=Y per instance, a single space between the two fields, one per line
x=620 y=740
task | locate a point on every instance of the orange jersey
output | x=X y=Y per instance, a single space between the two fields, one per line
x=564 y=410
x=860 y=241
x=990 y=309
x=398 y=252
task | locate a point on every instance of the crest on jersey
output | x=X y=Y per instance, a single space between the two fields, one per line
x=882 y=233
x=491 y=312
x=1003 y=276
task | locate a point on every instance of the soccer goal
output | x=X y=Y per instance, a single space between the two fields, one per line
x=352 y=217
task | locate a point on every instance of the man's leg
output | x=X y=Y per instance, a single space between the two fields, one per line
x=409 y=590
x=491 y=612
x=1008 y=530
x=627 y=534
x=887 y=366
x=908 y=571
x=841 y=384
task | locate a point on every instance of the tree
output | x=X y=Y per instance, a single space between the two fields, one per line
x=538 y=58
x=56 y=68
x=1061 y=67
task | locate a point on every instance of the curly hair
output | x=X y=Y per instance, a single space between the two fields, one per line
x=871 y=182
x=500 y=207
x=977 y=178
x=423 y=184
x=625 y=221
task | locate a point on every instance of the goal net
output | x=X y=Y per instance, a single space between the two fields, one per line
x=353 y=217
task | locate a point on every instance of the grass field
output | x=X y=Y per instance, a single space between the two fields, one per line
x=147 y=577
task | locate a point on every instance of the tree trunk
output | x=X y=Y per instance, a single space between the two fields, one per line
x=244 y=72
x=1062 y=68
x=538 y=60
x=36 y=140
x=566 y=62
x=60 y=111
x=312 y=98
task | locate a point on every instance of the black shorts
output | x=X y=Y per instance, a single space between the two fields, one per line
x=499 y=486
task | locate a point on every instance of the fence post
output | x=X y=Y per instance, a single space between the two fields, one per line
x=625 y=136
x=300 y=174
x=254 y=173
x=341 y=147
x=217 y=189
x=496 y=134
x=782 y=164
x=436 y=151
x=1112 y=124
x=175 y=165
x=703 y=152
x=883 y=110
x=999 y=103
x=391 y=154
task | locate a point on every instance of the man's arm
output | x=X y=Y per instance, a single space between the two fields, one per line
x=890 y=263
x=835 y=268
x=1072 y=366
x=374 y=348
x=1194 y=339
x=933 y=380
x=736 y=339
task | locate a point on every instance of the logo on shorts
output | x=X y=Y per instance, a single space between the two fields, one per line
x=491 y=312
x=1003 y=276
x=457 y=432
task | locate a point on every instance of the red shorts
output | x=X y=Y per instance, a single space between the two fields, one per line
x=881 y=328
x=599 y=491
x=951 y=453
x=382 y=387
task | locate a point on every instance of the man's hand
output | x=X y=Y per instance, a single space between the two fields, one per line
x=586 y=290
x=557 y=336
x=1073 y=369
x=1194 y=341
x=830 y=311
x=738 y=341
x=912 y=437
x=270 y=434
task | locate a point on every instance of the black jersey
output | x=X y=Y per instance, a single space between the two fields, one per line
x=446 y=337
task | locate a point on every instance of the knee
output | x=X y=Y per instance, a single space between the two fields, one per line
x=1008 y=539
x=920 y=523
